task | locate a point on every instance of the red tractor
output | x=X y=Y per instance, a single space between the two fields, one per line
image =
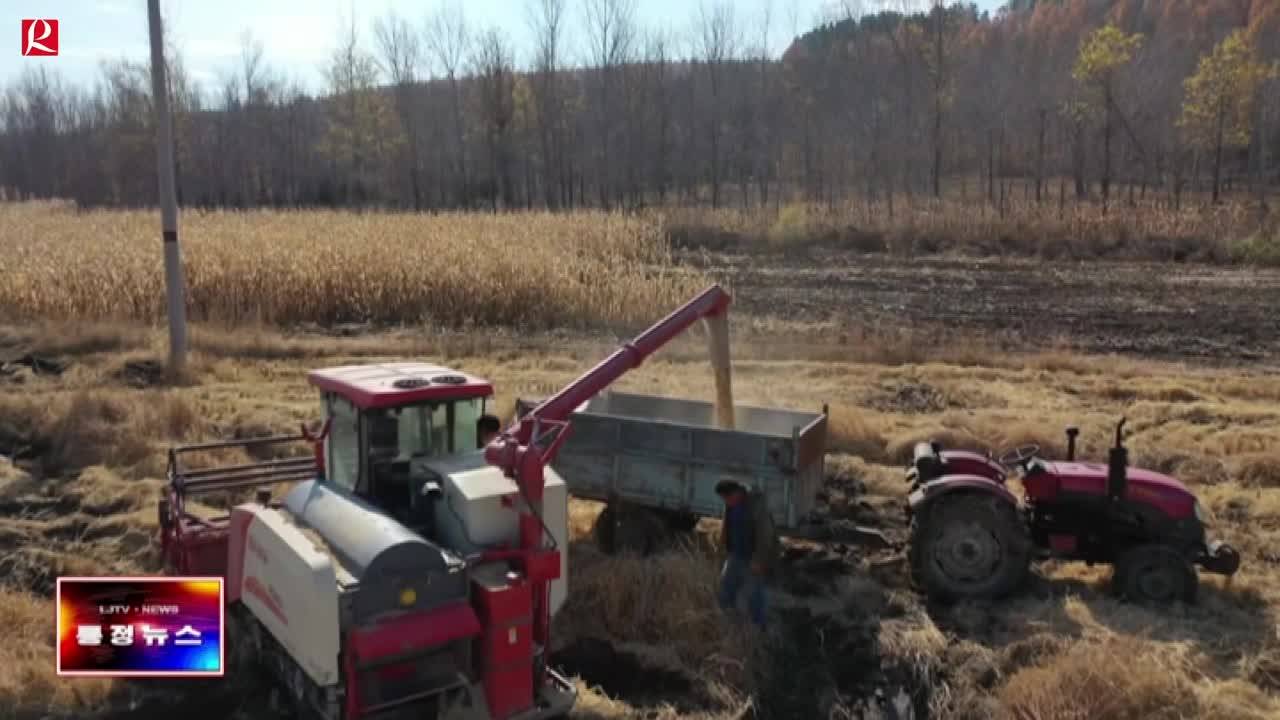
x=413 y=569
x=972 y=538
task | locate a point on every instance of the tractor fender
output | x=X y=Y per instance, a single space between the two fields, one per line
x=967 y=462
x=923 y=496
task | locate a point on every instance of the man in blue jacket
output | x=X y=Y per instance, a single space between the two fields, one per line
x=750 y=543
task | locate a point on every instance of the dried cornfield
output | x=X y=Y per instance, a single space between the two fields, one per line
x=530 y=270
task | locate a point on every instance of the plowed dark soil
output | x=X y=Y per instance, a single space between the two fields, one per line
x=1156 y=310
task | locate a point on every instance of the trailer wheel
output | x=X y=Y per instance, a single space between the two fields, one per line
x=641 y=531
x=681 y=522
x=969 y=545
x=621 y=528
x=1155 y=574
x=605 y=528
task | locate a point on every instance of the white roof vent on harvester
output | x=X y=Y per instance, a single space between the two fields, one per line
x=449 y=380
x=410 y=383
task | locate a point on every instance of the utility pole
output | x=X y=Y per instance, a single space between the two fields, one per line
x=168 y=201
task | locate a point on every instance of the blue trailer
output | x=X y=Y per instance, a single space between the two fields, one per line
x=655 y=461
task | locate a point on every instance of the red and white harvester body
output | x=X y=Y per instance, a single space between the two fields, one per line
x=408 y=572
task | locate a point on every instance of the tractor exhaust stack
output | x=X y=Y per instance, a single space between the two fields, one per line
x=1117 y=465
x=1072 y=432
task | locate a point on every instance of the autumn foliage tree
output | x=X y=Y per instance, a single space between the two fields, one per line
x=1220 y=99
x=1104 y=53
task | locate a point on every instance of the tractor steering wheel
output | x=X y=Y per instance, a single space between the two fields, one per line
x=1021 y=456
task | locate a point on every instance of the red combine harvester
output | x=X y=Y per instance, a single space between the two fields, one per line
x=971 y=538
x=409 y=573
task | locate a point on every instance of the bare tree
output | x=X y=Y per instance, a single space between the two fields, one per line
x=358 y=130
x=764 y=116
x=658 y=48
x=939 y=72
x=546 y=21
x=251 y=65
x=255 y=84
x=493 y=69
x=401 y=56
x=449 y=40
x=717 y=43
x=610 y=32
x=34 y=114
x=903 y=40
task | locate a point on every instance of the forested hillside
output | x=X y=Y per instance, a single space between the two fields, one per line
x=1056 y=100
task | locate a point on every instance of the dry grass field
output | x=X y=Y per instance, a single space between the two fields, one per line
x=1139 y=227
x=84 y=420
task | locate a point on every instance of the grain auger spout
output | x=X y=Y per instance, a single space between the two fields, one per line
x=525 y=448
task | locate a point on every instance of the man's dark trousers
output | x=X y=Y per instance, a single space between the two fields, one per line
x=737 y=575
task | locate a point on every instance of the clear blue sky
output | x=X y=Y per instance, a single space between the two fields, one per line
x=298 y=34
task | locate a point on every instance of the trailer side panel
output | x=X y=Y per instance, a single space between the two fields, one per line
x=668 y=454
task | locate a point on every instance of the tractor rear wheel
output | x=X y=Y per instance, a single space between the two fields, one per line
x=1155 y=574
x=969 y=545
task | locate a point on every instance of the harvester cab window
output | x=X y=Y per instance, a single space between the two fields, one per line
x=414 y=432
x=437 y=429
x=465 y=415
x=440 y=429
x=393 y=435
x=343 y=461
x=372 y=453
x=400 y=438
x=384 y=434
x=420 y=431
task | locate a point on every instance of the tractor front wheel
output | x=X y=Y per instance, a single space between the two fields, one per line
x=969 y=545
x=1155 y=574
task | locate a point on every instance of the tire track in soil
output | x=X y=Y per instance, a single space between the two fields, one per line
x=1168 y=311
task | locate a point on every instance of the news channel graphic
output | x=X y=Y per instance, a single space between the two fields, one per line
x=140 y=626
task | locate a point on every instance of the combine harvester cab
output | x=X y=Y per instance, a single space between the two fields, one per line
x=384 y=578
x=408 y=571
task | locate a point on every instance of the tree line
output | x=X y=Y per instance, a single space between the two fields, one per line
x=1097 y=101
